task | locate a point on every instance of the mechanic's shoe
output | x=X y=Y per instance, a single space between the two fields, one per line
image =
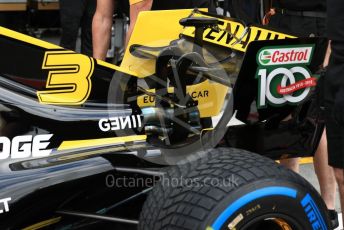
x=334 y=218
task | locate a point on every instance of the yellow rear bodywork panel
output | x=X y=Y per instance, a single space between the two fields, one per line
x=159 y=28
x=155 y=29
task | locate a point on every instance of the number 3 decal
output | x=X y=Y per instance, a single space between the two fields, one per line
x=68 y=80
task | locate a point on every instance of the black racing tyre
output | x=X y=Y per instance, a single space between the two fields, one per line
x=233 y=189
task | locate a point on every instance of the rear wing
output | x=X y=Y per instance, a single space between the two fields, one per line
x=234 y=34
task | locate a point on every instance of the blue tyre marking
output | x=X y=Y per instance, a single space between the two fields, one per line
x=260 y=193
x=313 y=213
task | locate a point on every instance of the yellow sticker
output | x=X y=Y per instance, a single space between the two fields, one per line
x=68 y=81
x=210 y=97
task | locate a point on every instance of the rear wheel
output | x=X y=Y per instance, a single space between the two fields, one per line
x=233 y=189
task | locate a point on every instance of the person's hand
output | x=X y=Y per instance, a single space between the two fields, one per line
x=338 y=110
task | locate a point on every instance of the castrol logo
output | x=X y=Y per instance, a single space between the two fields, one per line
x=285 y=55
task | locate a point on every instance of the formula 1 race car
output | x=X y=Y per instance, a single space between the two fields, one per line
x=166 y=140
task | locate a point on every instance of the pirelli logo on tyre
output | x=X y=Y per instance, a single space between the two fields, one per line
x=313 y=213
x=285 y=55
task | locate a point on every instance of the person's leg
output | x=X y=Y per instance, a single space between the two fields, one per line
x=292 y=164
x=339 y=174
x=86 y=27
x=334 y=130
x=70 y=15
x=326 y=178
x=325 y=174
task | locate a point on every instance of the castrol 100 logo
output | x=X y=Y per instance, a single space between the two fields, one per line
x=283 y=76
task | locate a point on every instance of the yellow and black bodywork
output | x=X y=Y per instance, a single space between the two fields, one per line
x=182 y=70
